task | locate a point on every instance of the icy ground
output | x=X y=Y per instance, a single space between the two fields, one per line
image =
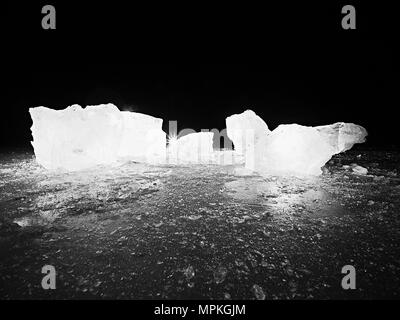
x=141 y=231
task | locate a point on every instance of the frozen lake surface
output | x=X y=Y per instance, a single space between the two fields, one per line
x=200 y=231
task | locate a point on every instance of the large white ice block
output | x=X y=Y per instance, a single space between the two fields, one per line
x=294 y=149
x=192 y=148
x=142 y=139
x=245 y=128
x=77 y=138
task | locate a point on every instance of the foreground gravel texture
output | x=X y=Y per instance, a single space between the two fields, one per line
x=197 y=231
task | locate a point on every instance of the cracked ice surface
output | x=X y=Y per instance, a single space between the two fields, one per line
x=289 y=149
x=77 y=138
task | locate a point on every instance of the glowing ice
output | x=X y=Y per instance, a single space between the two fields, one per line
x=77 y=138
x=142 y=139
x=342 y=136
x=191 y=148
x=245 y=128
x=294 y=149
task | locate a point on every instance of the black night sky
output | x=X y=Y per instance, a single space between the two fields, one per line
x=200 y=64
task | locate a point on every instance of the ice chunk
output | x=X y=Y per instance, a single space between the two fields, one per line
x=299 y=150
x=245 y=128
x=342 y=136
x=292 y=149
x=77 y=138
x=359 y=170
x=142 y=139
x=192 y=148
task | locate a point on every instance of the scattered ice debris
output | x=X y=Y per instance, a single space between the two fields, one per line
x=189 y=272
x=325 y=170
x=258 y=292
x=359 y=170
x=392 y=174
x=227 y=296
x=157 y=225
x=220 y=274
x=193 y=217
x=23 y=222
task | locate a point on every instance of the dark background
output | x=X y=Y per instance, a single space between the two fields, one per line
x=197 y=63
